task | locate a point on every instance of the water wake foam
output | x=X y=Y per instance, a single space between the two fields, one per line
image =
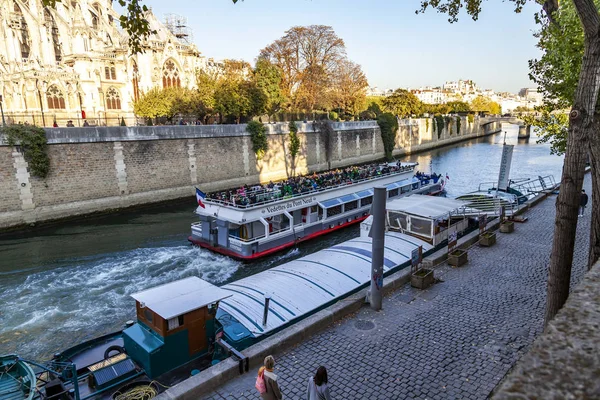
x=52 y=310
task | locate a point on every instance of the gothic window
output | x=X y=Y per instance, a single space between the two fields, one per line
x=94 y=20
x=19 y=24
x=110 y=73
x=55 y=98
x=171 y=75
x=113 y=100
x=136 y=82
x=53 y=30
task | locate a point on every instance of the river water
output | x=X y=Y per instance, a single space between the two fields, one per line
x=71 y=282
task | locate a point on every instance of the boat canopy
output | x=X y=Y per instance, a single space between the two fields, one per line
x=177 y=298
x=302 y=286
x=365 y=193
x=425 y=206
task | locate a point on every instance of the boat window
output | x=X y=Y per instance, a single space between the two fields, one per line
x=420 y=226
x=334 y=211
x=366 y=201
x=393 y=193
x=348 y=198
x=365 y=193
x=330 y=202
x=174 y=323
x=397 y=220
x=148 y=315
x=351 y=206
x=313 y=209
x=405 y=189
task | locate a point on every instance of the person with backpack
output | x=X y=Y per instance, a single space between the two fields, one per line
x=266 y=381
x=317 y=386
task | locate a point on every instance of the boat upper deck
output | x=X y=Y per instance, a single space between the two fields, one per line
x=300 y=287
x=248 y=197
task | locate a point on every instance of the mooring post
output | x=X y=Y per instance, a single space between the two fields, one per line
x=378 y=239
x=266 y=310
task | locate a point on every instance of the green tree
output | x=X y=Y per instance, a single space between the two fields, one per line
x=258 y=135
x=267 y=77
x=206 y=83
x=485 y=104
x=231 y=101
x=458 y=106
x=402 y=103
x=582 y=137
x=388 y=124
x=155 y=103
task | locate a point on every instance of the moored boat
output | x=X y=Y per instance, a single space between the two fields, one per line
x=17 y=379
x=253 y=222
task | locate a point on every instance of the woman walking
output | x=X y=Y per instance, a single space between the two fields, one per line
x=317 y=386
x=271 y=387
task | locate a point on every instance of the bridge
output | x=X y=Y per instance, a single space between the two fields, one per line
x=524 y=129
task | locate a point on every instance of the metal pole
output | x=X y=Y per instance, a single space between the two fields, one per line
x=378 y=241
x=266 y=311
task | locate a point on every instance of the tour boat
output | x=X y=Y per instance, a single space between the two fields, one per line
x=272 y=221
x=185 y=326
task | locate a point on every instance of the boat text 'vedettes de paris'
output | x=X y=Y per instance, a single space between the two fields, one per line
x=252 y=222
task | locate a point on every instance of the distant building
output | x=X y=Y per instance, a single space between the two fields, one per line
x=73 y=62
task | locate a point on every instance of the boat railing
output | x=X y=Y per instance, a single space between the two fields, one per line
x=492 y=206
x=529 y=186
x=277 y=192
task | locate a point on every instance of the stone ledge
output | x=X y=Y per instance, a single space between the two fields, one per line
x=564 y=362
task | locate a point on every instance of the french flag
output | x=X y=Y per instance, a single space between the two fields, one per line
x=199 y=197
x=447 y=177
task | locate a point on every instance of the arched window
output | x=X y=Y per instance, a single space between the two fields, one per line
x=53 y=30
x=20 y=26
x=171 y=75
x=136 y=82
x=55 y=98
x=94 y=20
x=110 y=73
x=113 y=100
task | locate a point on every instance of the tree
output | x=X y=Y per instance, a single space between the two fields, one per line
x=294 y=144
x=231 y=100
x=267 y=77
x=349 y=87
x=403 y=104
x=485 y=104
x=582 y=141
x=458 y=106
x=156 y=102
x=206 y=83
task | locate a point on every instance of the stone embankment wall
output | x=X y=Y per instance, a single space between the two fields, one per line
x=97 y=169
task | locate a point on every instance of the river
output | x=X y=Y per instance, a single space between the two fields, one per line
x=71 y=282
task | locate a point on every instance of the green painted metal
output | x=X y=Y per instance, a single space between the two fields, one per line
x=17 y=380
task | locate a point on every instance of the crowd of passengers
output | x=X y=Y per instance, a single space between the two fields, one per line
x=248 y=195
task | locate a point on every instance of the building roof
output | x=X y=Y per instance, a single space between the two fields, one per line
x=176 y=298
x=425 y=206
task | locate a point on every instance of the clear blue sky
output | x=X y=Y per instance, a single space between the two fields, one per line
x=395 y=47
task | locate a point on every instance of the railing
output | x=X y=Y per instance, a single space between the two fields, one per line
x=492 y=206
x=529 y=187
x=297 y=195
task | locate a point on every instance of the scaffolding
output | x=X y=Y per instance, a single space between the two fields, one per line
x=177 y=25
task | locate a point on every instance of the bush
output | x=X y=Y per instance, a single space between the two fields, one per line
x=368 y=115
x=388 y=124
x=258 y=134
x=470 y=118
x=294 y=140
x=123 y=122
x=333 y=116
x=32 y=140
x=458 y=125
x=439 y=122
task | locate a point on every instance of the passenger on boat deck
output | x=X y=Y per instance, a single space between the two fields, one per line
x=247 y=195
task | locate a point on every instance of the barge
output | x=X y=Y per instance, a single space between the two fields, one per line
x=253 y=222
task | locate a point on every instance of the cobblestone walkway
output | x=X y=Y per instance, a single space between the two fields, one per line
x=455 y=340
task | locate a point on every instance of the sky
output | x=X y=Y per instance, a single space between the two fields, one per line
x=395 y=47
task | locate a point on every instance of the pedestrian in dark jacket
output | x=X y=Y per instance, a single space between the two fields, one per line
x=273 y=392
x=317 y=386
x=583 y=200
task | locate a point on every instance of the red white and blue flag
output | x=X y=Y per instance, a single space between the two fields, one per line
x=447 y=177
x=199 y=197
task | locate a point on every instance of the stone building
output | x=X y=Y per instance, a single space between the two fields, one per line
x=72 y=62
